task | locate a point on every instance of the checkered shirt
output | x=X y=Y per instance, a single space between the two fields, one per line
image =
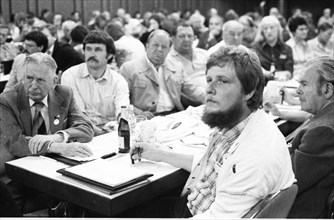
x=203 y=194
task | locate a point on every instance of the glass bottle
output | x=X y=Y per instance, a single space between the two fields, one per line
x=123 y=132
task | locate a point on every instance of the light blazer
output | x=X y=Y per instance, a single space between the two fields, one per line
x=312 y=155
x=144 y=85
x=16 y=122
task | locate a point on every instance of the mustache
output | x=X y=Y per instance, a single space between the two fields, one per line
x=93 y=59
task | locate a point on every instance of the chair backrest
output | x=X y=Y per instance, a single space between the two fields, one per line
x=276 y=205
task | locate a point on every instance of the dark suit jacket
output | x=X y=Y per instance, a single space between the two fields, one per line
x=16 y=122
x=312 y=154
x=65 y=56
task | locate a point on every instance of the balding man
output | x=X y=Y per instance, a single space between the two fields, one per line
x=155 y=83
x=232 y=35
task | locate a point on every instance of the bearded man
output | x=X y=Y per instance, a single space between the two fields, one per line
x=247 y=157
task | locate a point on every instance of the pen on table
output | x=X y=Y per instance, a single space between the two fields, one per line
x=176 y=125
x=108 y=155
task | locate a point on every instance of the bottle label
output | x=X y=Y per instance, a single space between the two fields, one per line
x=121 y=143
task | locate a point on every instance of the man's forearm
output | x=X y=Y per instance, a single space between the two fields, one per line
x=183 y=161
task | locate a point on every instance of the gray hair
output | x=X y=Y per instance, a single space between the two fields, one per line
x=324 y=67
x=231 y=23
x=42 y=58
x=269 y=20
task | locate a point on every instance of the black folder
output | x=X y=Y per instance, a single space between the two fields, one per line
x=112 y=189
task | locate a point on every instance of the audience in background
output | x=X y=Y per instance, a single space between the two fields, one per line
x=322 y=45
x=77 y=35
x=34 y=41
x=232 y=35
x=249 y=30
x=300 y=48
x=127 y=47
x=64 y=55
x=326 y=17
x=212 y=36
x=154 y=24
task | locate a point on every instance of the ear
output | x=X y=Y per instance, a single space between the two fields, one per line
x=328 y=90
x=40 y=48
x=55 y=81
x=249 y=95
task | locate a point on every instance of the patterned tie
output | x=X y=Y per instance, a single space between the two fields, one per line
x=38 y=125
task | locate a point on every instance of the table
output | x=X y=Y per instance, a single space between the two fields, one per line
x=40 y=173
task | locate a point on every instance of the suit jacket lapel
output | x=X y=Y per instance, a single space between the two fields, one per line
x=56 y=111
x=25 y=113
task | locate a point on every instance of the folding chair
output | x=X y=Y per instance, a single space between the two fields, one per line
x=276 y=205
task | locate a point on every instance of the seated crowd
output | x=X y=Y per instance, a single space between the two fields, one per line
x=67 y=80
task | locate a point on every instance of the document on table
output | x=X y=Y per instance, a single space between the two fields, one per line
x=100 y=145
x=106 y=174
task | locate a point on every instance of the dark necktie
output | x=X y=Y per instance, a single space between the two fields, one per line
x=38 y=124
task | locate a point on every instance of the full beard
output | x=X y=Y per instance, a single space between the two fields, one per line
x=223 y=119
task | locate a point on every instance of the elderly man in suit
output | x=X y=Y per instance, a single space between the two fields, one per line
x=312 y=149
x=39 y=117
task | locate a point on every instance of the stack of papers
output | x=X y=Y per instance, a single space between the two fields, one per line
x=105 y=174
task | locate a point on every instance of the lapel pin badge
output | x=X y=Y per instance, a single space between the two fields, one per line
x=56 y=121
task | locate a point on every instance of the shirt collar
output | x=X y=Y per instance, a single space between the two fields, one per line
x=44 y=101
x=106 y=76
x=278 y=44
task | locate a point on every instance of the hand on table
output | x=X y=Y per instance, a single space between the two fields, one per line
x=150 y=151
x=74 y=149
x=37 y=142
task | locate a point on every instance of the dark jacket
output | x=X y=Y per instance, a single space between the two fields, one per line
x=312 y=155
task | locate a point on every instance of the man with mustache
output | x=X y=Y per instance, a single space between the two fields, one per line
x=98 y=90
x=247 y=157
x=156 y=83
x=34 y=41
